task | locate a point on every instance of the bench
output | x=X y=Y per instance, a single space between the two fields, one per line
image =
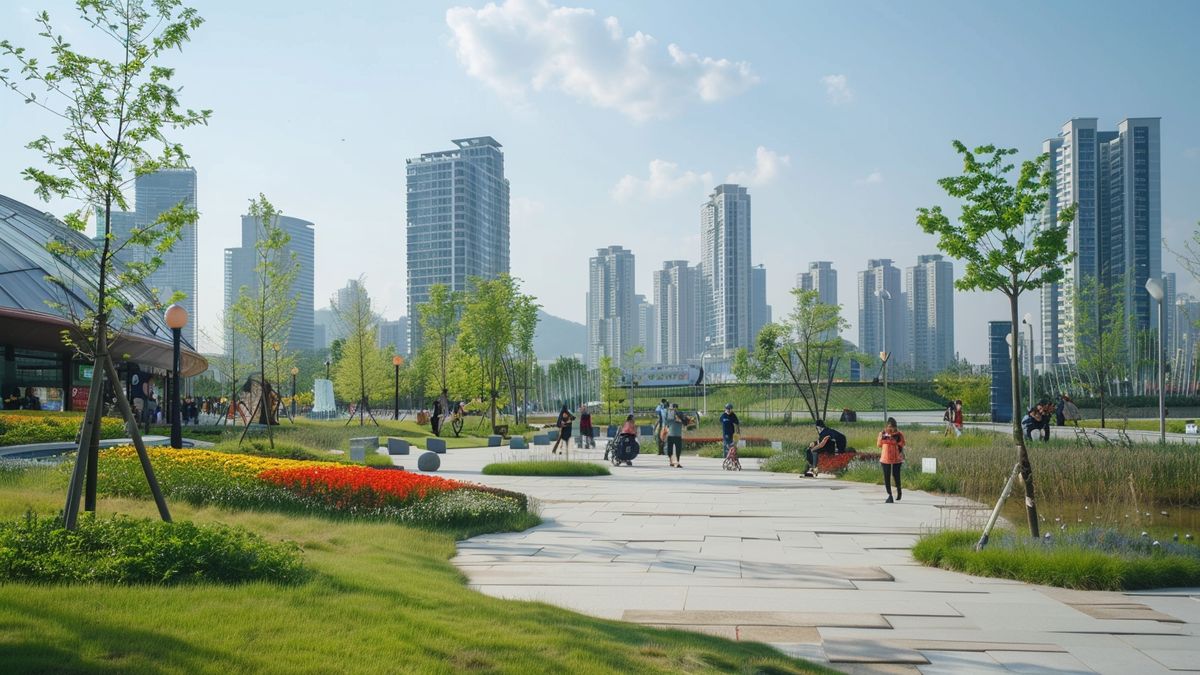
x=358 y=447
x=611 y=432
x=645 y=430
x=494 y=441
x=517 y=443
x=436 y=445
x=552 y=435
x=398 y=446
x=541 y=439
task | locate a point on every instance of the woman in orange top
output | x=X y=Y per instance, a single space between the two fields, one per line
x=891 y=442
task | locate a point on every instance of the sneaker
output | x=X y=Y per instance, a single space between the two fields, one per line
x=889 y=500
x=678 y=466
x=808 y=474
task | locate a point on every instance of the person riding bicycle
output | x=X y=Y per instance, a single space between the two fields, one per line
x=730 y=425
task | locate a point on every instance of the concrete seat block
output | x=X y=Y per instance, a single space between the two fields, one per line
x=517 y=443
x=398 y=446
x=435 y=445
x=494 y=441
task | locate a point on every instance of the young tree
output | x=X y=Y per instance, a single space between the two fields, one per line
x=610 y=377
x=228 y=364
x=1008 y=246
x=117 y=107
x=567 y=377
x=962 y=381
x=439 y=328
x=364 y=370
x=806 y=348
x=487 y=329
x=1101 y=354
x=633 y=361
x=519 y=359
x=264 y=311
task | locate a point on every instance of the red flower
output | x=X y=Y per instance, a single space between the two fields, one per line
x=345 y=487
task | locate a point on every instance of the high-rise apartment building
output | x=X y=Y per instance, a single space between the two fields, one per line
x=678 y=301
x=647 y=328
x=929 y=298
x=457 y=220
x=725 y=265
x=393 y=335
x=241 y=261
x=822 y=278
x=1113 y=179
x=155 y=193
x=874 y=312
x=611 y=305
x=760 y=311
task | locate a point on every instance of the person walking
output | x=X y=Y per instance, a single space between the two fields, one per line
x=660 y=424
x=730 y=425
x=565 y=418
x=441 y=408
x=1070 y=411
x=586 y=439
x=891 y=458
x=675 y=423
x=958 y=417
x=1059 y=418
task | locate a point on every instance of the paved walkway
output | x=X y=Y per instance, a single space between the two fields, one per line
x=817 y=567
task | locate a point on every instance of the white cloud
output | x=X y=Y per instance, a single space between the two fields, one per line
x=533 y=45
x=767 y=166
x=838 y=89
x=665 y=179
x=873 y=178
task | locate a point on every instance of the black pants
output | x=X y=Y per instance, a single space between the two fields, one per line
x=891 y=472
x=1046 y=431
x=436 y=423
x=674 y=446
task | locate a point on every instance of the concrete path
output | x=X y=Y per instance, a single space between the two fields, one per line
x=817 y=567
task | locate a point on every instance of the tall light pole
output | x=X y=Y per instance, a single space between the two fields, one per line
x=176 y=317
x=295 y=372
x=1155 y=288
x=275 y=408
x=327 y=369
x=397 y=361
x=884 y=296
x=1028 y=321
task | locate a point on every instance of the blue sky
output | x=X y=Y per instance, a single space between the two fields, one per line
x=838 y=115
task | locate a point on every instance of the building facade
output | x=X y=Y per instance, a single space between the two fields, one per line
x=457 y=220
x=929 y=300
x=822 y=278
x=1113 y=179
x=876 y=313
x=393 y=335
x=725 y=264
x=240 y=263
x=677 y=300
x=760 y=311
x=647 y=327
x=612 y=323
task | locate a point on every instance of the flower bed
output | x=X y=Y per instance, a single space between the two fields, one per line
x=22 y=429
x=246 y=481
x=834 y=462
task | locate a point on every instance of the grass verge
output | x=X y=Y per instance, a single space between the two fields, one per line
x=911 y=477
x=545 y=468
x=383 y=598
x=1090 y=560
x=748 y=452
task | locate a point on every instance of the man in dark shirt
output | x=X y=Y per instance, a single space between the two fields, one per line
x=730 y=425
x=829 y=440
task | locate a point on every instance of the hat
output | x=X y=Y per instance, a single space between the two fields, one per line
x=729 y=406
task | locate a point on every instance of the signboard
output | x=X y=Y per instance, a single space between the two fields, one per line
x=84 y=372
x=665 y=376
x=79 y=397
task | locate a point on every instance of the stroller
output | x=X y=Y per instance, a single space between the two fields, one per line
x=622 y=450
x=732 y=463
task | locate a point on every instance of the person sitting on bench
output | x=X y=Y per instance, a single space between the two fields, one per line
x=829 y=440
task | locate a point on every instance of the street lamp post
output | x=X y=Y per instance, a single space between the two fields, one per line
x=275 y=406
x=1028 y=321
x=295 y=372
x=397 y=361
x=327 y=369
x=1155 y=288
x=176 y=317
x=884 y=355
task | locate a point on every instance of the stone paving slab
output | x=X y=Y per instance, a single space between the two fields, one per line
x=818 y=568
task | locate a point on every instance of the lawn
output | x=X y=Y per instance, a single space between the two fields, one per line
x=383 y=598
x=545 y=468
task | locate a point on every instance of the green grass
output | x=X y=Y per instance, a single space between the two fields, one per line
x=749 y=452
x=382 y=598
x=546 y=468
x=911 y=477
x=1069 y=564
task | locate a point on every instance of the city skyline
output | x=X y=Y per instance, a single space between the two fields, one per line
x=652 y=150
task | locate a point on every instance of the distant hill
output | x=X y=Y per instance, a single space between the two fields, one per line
x=558 y=337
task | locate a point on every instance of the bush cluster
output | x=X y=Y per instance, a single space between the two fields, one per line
x=22 y=429
x=124 y=550
x=545 y=468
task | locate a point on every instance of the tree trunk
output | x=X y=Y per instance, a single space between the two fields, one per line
x=1022 y=451
x=1102 y=420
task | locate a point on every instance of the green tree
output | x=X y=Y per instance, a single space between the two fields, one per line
x=806 y=348
x=964 y=382
x=488 y=329
x=1101 y=344
x=439 y=321
x=520 y=357
x=264 y=310
x=610 y=378
x=365 y=371
x=1008 y=246
x=117 y=106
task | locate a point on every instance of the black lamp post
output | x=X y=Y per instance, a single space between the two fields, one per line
x=397 y=361
x=176 y=317
x=327 y=369
x=295 y=372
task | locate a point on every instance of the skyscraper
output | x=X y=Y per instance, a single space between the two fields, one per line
x=647 y=328
x=872 y=310
x=611 y=305
x=1113 y=179
x=929 y=298
x=155 y=193
x=457 y=220
x=677 y=300
x=394 y=335
x=822 y=278
x=240 y=273
x=760 y=311
x=725 y=265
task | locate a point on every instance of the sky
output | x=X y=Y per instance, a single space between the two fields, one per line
x=618 y=117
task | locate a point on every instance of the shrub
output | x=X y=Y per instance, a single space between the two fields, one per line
x=867 y=470
x=125 y=550
x=22 y=429
x=693 y=442
x=545 y=468
x=751 y=452
x=1090 y=560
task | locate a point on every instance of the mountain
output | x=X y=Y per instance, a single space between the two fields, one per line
x=557 y=337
